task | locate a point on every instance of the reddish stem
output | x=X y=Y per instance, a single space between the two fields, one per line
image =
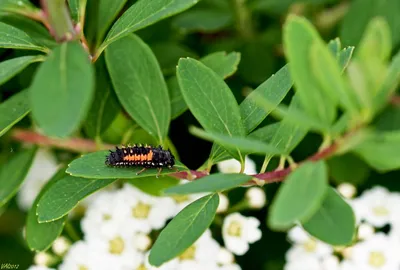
x=74 y=144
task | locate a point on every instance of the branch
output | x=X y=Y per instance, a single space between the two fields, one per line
x=57 y=15
x=74 y=144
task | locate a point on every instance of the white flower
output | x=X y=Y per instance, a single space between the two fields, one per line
x=303 y=263
x=305 y=245
x=43 y=259
x=376 y=253
x=104 y=215
x=38 y=267
x=233 y=166
x=226 y=260
x=142 y=242
x=256 y=197
x=330 y=262
x=81 y=255
x=238 y=231
x=61 y=245
x=365 y=231
x=376 y=206
x=143 y=212
x=43 y=167
x=347 y=190
x=347 y=265
x=118 y=250
x=223 y=203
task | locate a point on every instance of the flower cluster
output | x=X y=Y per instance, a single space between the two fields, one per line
x=119 y=226
x=377 y=246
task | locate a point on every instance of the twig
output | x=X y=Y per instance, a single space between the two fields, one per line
x=74 y=144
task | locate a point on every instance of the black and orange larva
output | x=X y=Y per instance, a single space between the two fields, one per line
x=141 y=156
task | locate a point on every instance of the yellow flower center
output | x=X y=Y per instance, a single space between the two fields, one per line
x=106 y=217
x=82 y=267
x=141 y=267
x=235 y=228
x=116 y=246
x=380 y=211
x=141 y=211
x=310 y=245
x=180 y=198
x=376 y=259
x=188 y=254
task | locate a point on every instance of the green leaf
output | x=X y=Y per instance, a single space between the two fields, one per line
x=300 y=195
x=381 y=150
x=335 y=46
x=13 y=110
x=299 y=36
x=334 y=223
x=23 y=7
x=105 y=105
x=287 y=134
x=178 y=104
x=65 y=194
x=142 y=14
x=376 y=42
x=39 y=236
x=93 y=166
x=210 y=100
x=340 y=173
x=328 y=75
x=108 y=11
x=62 y=90
x=140 y=85
x=212 y=183
x=345 y=57
x=245 y=145
x=35 y=30
x=152 y=185
x=355 y=22
x=12 y=67
x=221 y=63
x=13 y=38
x=266 y=133
x=182 y=231
x=293 y=115
x=390 y=84
x=168 y=54
x=205 y=21
x=77 y=8
x=274 y=90
x=13 y=172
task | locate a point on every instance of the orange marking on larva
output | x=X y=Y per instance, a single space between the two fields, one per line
x=150 y=156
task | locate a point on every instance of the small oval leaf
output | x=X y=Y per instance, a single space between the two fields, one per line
x=13 y=38
x=12 y=67
x=13 y=110
x=13 y=173
x=64 y=195
x=92 y=166
x=140 y=85
x=334 y=223
x=39 y=236
x=210 y=100
x=62 y=90
x=182 y=231
x=300 y=195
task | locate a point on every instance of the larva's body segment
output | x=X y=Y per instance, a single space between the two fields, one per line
x=140 y=156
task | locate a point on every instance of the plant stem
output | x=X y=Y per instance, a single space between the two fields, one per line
x=71 y=231
x=267 y=159
x=78 y=145
x=242 y=205
x=244 y=23
x=57 y=14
